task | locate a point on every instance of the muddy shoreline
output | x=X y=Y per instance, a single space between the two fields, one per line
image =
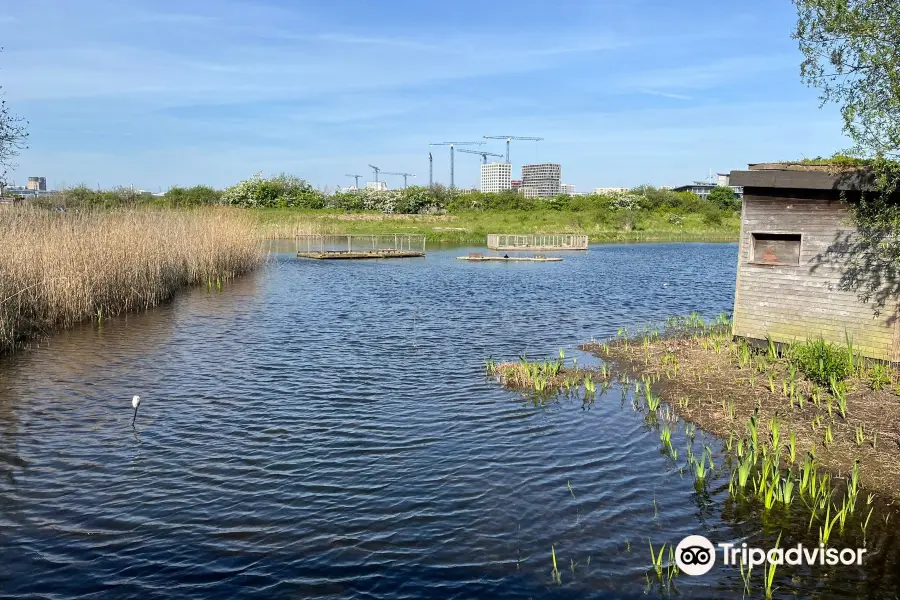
x=704 y=384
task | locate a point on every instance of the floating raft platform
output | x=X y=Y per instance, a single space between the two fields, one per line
x=477 y=257
x=343 y=254
x=354 y=247
x=532 y=242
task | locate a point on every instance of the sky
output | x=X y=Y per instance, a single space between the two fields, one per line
x=624 y=92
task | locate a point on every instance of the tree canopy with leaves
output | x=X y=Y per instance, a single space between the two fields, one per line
x=851 y=53
x=724 y=198
x=13 y=135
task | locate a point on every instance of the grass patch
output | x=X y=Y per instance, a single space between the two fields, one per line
x=472 y=228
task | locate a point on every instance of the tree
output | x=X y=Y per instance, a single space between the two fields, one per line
x=851 y=53
x=723 y=198
x=13 y=135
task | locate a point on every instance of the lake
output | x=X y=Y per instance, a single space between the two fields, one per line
x=325 y=429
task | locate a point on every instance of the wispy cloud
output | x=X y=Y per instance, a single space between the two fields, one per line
x=212 y=90
x=666 y=95
x=708 y=74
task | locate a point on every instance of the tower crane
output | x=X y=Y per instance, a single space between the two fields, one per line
x=509 y=138
x=376 y=170
x=452 y=145
x=430 y=170
x=404 y=175
x=484 y=155
x=355 y=178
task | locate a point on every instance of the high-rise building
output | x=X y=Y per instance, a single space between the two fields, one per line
x=541 y=179
x=37 y=184
x=567 y=189
x=495 y=177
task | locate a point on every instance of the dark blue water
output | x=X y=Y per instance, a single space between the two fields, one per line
x=325 y=430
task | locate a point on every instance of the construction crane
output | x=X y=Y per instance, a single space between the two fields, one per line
x=376 y=170
x=509 y=138
x=404 y=175
x=430 y=170
x=355 y=178
x=484 y=155
x=452 y=145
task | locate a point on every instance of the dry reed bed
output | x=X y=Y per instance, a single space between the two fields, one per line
x=60 y=269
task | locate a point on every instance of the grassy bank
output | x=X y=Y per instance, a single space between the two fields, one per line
x=810 y=402
x=60 y=269
x=473 y=227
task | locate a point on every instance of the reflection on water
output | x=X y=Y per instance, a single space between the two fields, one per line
x=325 y=429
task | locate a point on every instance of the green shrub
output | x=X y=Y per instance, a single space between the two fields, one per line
x=820 y=361
x=199 y=195
x=880 y=376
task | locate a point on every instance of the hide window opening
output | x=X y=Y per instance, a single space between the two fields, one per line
x=776 y=249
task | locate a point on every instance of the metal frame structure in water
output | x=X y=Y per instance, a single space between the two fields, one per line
x=549 y=241
x=354 y=246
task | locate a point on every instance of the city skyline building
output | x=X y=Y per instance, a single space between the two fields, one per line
x=496 y=177
x=37 y=184
x=541 y=180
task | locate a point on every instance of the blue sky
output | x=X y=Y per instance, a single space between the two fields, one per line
x=625 y=92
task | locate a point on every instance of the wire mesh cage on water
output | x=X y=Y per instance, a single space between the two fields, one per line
x=348 y=244
x=549 y=241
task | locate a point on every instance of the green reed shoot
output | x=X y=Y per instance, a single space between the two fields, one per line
x=860 y=435
x=827 y=526
x=745 y=466
x=753 y=430
x=771 y=383
x=555 y=573
x=775 y=432
x=787 y=490
x=829 y=437
x=700 y=467
x=807 y=475
x=665 y=435
x=769 y=572
x=652 y=400
x=853 y=487
x=792 y=447
x=745 y=576
x=839 y=391
x=865 y=524
x=656 y=560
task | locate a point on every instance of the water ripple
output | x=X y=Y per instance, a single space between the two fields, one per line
x=325 y=430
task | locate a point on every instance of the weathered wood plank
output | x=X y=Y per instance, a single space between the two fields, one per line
x=797 y=302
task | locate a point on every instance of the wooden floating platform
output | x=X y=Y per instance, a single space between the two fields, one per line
x=345 y=255
x=510 y=258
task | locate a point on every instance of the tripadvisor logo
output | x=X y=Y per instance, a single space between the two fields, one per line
x=696 y=555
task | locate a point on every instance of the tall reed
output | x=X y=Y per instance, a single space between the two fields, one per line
x=60 y=269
